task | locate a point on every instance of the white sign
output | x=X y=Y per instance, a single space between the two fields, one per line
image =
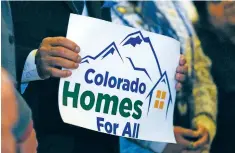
x=125 y=84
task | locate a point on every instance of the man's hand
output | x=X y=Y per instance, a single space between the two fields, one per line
x=186 y=146
x=55 y=53
x=203 y=137
x=182 y=143
x=182 y=133
x=181 y=72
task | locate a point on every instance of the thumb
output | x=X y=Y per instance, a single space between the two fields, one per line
x=200 y=130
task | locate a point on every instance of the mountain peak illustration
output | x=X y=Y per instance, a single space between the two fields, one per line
x=135 y=39
x=111 y=49
x=139 y=69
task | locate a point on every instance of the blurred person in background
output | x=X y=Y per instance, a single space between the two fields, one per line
x=17 y=134
x=216 y=30
x=17 y=126
x=43 y=25
x=8 y=114
x=196 y=105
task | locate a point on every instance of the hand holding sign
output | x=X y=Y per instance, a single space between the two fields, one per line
x=181 y=72
x=181 y=134
x=57 y=52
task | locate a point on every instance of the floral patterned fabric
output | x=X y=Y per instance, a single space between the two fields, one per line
x=203 y=103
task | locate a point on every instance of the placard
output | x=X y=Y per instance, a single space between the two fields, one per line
x=125 y=84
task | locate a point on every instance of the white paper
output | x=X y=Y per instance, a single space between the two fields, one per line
x=114 y=59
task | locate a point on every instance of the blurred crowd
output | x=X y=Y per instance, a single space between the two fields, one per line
x=34 y=49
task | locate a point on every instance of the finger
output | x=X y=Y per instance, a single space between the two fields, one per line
x=65 y=53
x=178 y=86
x=180 y=77
x=54 y=72
x=62 y=41
x=42 y=65
x=61 y=62
x=182 y=69
x=201 y=142
x=200 y=131
x=189 y=133
x=182 y=60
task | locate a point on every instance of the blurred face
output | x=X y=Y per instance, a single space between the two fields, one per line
x=222 y=17
x=8 y=112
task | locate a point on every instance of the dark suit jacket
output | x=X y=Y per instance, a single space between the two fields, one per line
x=34 y=21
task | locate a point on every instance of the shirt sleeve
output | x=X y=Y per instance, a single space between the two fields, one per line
x=204 y=92
x=30 y=72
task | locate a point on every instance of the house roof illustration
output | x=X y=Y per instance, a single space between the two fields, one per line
x=164 y=79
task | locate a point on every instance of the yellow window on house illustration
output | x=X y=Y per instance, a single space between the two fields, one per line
x=160 y=99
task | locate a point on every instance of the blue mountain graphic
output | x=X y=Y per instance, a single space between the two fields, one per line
x=136 y=40
x=133 y=41
x=110 y=50
x=107 y=51
x=138 y=69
